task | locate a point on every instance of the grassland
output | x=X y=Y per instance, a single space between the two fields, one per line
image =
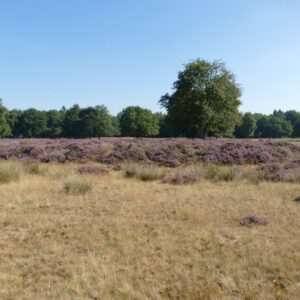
x=125 y=238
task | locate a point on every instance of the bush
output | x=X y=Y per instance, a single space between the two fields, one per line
x=143 y=172
x=10 y=171
x=77 y=186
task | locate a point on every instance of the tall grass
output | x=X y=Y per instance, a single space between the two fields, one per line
x=34 y=168
x=10 y=171
x=76 y=185
x=143 y=172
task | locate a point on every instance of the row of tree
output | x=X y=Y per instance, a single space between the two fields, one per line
x=205 y=102
x=277 y=125
x=77 y=122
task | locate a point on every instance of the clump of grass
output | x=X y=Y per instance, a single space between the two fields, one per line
x=255 y=177
x=34 y=168
x=91 y=169
x=143 y=172
x=218 y=173
x=10 y=171
x=77 y=186
x=181 y=178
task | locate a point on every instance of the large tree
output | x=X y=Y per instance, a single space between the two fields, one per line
x=205 y=100
x=137 y=121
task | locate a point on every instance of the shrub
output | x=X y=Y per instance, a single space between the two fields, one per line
x=253 y=219
x=143 y=172
x=90 y=169
x=77 y=186
x=10 y=171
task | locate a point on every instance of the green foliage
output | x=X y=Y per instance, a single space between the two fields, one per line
x=296 y=130
x=96 y=122
x=32 y=123
x=247 y=127
x=12 y=117
x=273 y=127
x=70 y=122
x=137 y=121
x=205 y=100
x=5 y=129
x=54 y=123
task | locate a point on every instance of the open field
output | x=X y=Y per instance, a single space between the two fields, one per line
x=119 y=237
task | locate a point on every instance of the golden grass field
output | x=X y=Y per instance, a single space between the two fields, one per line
x=128 y=239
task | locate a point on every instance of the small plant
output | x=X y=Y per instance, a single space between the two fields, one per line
x=253 y=219
x=10 y=171
x=143 y=172
x=91 y=169
x=77 y=186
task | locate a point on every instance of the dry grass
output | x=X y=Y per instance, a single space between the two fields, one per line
x=128 y=239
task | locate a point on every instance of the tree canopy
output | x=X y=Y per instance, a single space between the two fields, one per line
x=205 y=101
x=138 y=122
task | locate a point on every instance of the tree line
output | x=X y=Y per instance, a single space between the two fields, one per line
x=205 y=102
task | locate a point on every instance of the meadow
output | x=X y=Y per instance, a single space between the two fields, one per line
x=120 y=218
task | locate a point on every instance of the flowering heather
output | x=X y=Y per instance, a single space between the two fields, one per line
x=280 y=172
x=166 y=152
x=253 y=219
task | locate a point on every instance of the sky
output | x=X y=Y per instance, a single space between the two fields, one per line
x=129 y=52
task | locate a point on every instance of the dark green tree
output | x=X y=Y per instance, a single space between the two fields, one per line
x=55 y=123
x=71 y=122
x=138 y=122
x=296 y=129
x=32 y=123
x=205 y=100
x=96 y=122
x=273 y=127
x=292 y=116
x=5 y=129
x=247 y=127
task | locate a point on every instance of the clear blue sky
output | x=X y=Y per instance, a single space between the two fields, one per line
x=128 y=52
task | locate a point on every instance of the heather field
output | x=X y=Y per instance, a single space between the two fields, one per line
x=125 y=218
